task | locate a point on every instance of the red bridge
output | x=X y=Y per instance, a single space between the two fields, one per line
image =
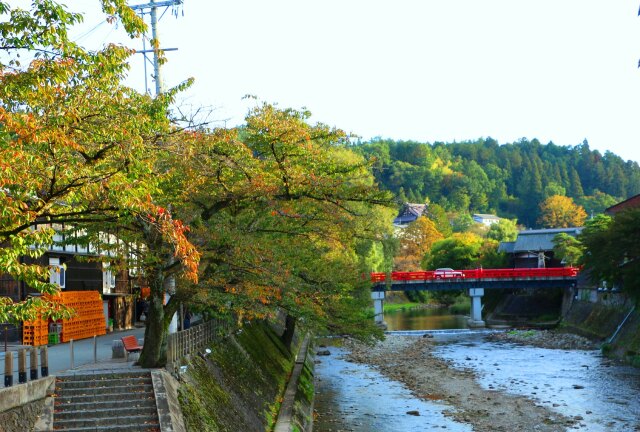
x=473 y=281
x=489 y=274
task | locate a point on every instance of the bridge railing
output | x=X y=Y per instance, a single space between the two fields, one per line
x=482 y=274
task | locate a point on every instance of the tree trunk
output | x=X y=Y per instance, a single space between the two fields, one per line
x=154 y=350
x=289 y=330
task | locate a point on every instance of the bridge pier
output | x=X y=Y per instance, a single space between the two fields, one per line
x=475 y=319
x=378 y=308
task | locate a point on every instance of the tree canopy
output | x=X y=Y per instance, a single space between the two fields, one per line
x=277 y=214
x=415 y=241
x=612 y=250
x=75 y=144
x=510 y=180
x=561 y=212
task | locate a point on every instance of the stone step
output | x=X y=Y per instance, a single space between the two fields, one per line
x=97 y=391
x=102 y=382
x=117 y=402
x=63 y=397
x=122 y=428
x=132 y=422
x=105 y=402
x=74 y=413
x=115 y=373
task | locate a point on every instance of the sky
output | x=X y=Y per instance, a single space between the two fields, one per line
x=424 y=70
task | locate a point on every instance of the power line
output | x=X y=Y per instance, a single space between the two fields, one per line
x=151 y=8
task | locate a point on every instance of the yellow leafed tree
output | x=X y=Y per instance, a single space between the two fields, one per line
x=559 y=211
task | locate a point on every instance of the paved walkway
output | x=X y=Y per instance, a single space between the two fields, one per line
x=83 y=352
x=83 y=355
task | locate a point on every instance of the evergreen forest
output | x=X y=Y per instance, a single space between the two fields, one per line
x=509 y=180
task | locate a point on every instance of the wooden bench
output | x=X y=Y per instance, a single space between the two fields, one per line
x=130 y=344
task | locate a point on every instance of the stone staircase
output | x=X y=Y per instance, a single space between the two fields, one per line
x=116 y=401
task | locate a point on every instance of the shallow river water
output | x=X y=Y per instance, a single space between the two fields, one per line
x=605 y=395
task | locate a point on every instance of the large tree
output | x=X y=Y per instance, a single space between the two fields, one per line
x=415 y=241
x=561 y=212
x=278 y=208
x=460 y=251
x=567 y=248
x=503 y=230
x=74 y=143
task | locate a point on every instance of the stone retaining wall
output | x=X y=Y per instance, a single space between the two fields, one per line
x=22 y=405
x=22 y=418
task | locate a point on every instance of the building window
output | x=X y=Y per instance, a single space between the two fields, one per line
x=57 y=272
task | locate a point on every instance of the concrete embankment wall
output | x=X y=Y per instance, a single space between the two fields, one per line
x=599 y=321
x=22 y=405
x=239 y=386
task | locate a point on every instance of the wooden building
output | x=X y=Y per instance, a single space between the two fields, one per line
x=534 y=248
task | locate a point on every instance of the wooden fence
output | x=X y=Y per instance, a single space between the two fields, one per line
x=194 y=340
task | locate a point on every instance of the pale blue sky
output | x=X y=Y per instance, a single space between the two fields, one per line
x=556 y=70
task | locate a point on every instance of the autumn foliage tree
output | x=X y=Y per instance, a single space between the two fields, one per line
x=415 y=241
x=244 y=222
x=279 y=207
x=460 y=251
x=561 y=212
x=77 y=148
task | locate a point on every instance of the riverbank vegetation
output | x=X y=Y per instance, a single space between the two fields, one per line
x=240 y=385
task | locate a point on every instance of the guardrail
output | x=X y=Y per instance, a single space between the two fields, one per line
x=481 y=274
x=194 y=340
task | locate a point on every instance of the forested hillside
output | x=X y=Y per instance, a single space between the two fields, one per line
x=510 y=180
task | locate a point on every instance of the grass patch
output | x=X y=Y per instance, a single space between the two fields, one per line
x=392 y=307
x=461 y=306
x=522 y=333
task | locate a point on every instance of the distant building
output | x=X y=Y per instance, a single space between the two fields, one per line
x=409 y=213
x=534 y=248
x=485 y=219
x=633 y=202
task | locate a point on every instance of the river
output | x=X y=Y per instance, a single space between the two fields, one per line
x=600 y=394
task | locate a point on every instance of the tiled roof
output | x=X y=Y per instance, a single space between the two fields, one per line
x=506 y=247
x=540 y=240
x=409 y=213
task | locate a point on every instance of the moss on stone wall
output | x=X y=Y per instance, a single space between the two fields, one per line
x=593 y=320
x=626 y=344
x=238 y=387
x=305 y=394
x=599 y=322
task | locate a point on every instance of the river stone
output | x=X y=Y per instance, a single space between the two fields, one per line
x=413 y=412
x=323 y=353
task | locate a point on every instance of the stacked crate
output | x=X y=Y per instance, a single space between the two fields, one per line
x=89 y=318
x=35 y=333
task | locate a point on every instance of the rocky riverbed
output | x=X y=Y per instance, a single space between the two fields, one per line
x=409 y=360
x=545 y=339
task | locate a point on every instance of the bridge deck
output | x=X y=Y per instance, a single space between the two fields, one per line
x=462 y=284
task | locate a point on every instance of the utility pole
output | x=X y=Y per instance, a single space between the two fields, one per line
x=152 y=8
